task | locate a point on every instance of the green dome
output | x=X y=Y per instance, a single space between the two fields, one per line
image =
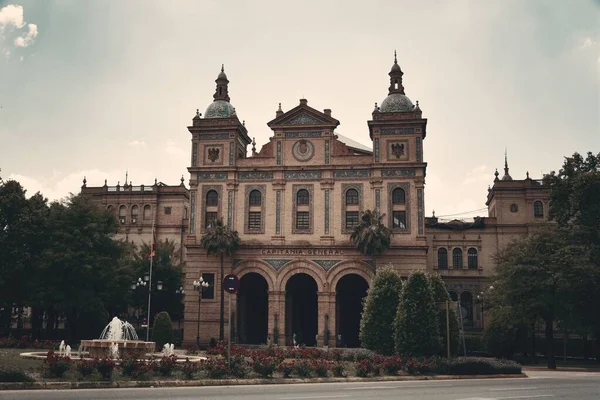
x=219 y=109
x=396 y=102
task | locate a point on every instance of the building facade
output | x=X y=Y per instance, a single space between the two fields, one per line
x=294 y=204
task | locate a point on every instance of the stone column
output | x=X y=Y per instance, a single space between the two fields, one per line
x=276 y=306
x=324 y=300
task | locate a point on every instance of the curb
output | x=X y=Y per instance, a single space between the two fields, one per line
x=232 y=382
x=562 y=369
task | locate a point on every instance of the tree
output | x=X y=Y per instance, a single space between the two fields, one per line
x=544 y=276
x=220 y=240
x=371 y=237
x=416 y=325
x=441 y=296
x=377 y=322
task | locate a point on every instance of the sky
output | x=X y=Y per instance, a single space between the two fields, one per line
x=98 y=88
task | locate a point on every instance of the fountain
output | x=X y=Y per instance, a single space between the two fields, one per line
x=117 y=338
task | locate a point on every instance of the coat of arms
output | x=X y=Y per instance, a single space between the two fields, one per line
x=213 y=154
x=398 y=149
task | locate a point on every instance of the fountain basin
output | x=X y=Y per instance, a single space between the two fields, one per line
x=101 y=347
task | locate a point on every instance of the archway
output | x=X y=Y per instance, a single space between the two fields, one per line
x=301 y=310
x=349 y=294
x=253 y=309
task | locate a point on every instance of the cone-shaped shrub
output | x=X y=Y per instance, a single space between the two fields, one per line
x=163 y=330
x=441 y=295
x=416 y=325
x=381 y=303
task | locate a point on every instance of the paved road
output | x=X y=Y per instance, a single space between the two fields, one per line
x=540 y=385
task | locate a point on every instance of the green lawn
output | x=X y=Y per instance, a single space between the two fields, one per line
x=11 y=358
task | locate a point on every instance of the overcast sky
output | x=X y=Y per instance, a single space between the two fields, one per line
x=96 y=88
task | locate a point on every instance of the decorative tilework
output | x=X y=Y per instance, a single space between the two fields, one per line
x=399 y=172
x=376 y=149
x=303 y=119
x=213 y=136
x=302 y=175
x=345 y=188
x=302 y=134
x=378 y=200
x=370 y=262
x=419 y=150
x=295 y=189
x=263 y=192
x=326 y=211
x=327 y=152
x=193 y=211
x=420 y=210
x=406 y=187
x=230 y=209
x=327 y=264
x=194 y=154
x=255 y=176
x=277 y=264
x=237 y=261
x=397 y=131
x=352 y=173
x=205 y=190
x=212 y=176
x=278 y=212
x=231 y=147
x=278 y=153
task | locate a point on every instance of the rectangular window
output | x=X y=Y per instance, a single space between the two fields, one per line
x=351 y=219
x=209 y=292
x=210 y=217
x=399 y=219
x=302 y=220
x=254 y=220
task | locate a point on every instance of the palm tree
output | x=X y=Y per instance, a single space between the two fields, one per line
x=371 y=237
x=218 y=239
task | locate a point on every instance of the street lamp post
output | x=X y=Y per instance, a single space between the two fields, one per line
x=143 y=283
x=481 y=298
x=199 y=285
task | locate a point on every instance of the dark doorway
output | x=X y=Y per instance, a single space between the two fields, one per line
x=301 y=310
x=253 y=309
x=349 y=294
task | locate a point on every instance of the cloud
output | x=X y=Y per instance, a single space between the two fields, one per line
x=586 y=43
x=11 y=15
x=25 y=41
x=481 y=173
x=137 y=144
x=173 y=150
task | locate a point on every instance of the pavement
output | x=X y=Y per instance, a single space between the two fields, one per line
x=540 y=385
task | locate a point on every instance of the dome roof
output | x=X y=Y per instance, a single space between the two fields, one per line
x=395 y=68
x=396 y=102
x=219 y=109
x=222 y=75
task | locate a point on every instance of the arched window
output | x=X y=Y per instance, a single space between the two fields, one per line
x=466 y=308
x=442 y=258
x=135 y=210
x=351 y=197
x=123 y=214
x=147 y=211
x=302 y=197
x=212 y=198
x=457 y=261
x=472 y=258
x=453 y=295
x=538 y=209
x=255 y=198
x=109 y=208
x=398 y=196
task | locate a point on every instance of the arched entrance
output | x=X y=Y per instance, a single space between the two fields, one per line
x=349 y=293
x=253 y=309
x=301 y=310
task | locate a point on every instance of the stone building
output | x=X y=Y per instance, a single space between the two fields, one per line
x=294 y=204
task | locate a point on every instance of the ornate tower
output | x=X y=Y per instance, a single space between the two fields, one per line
x=397 y=130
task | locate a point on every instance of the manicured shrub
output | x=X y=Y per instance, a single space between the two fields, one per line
x=189 y=368
x=105 y=367
x=166 y=365
x=441 y=295
x=481 y=366
x=265 y=365
x=10 y=374
x=321 y=367
x=381 y=303
x=338 y=369
x=303 y=368
x=216 y=368
x=239 y=366
x=56 y=366
x=364 y=368
x=286 y=368
x=391 y=365
x=85 y=367
x=162 y=332
x=130 y=364
x=416 y=325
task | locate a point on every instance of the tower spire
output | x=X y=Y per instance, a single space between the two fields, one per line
x=221 y=93
x=506 y=176
x=396 y=77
